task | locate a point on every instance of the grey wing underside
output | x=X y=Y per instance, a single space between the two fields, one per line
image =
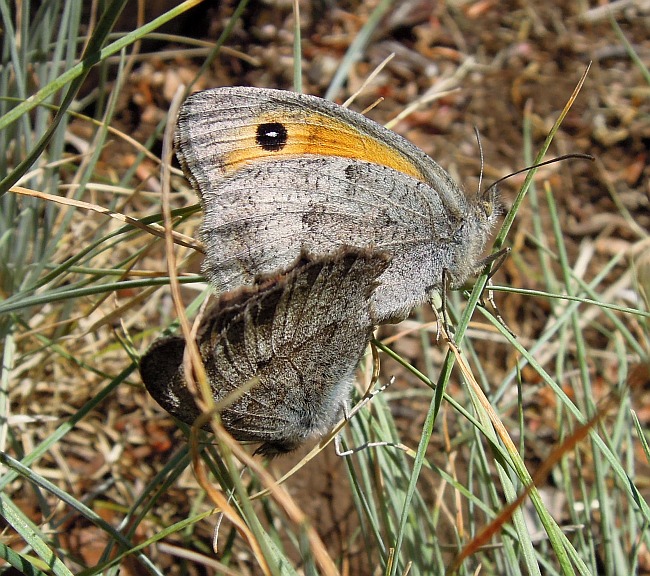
x=294 y=346
x=258 y=220
x=297 y=349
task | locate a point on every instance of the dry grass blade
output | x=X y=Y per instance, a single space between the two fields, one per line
x=496 y=526
x=153 y=229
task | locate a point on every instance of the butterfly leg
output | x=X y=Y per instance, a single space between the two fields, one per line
x=496 y=260
x=340 y=451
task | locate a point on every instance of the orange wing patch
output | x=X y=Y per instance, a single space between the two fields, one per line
x=316 y=135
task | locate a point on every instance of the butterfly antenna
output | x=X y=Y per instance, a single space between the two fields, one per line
x=480 y=152
x=539 y=165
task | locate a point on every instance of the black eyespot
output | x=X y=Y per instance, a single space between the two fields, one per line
x=271 y=136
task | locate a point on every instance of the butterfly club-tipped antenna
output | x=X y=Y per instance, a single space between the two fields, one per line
x=488 y=200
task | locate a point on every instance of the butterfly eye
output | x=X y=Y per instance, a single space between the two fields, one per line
x=271 y=136
x=488 y=207
x=489 y=200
